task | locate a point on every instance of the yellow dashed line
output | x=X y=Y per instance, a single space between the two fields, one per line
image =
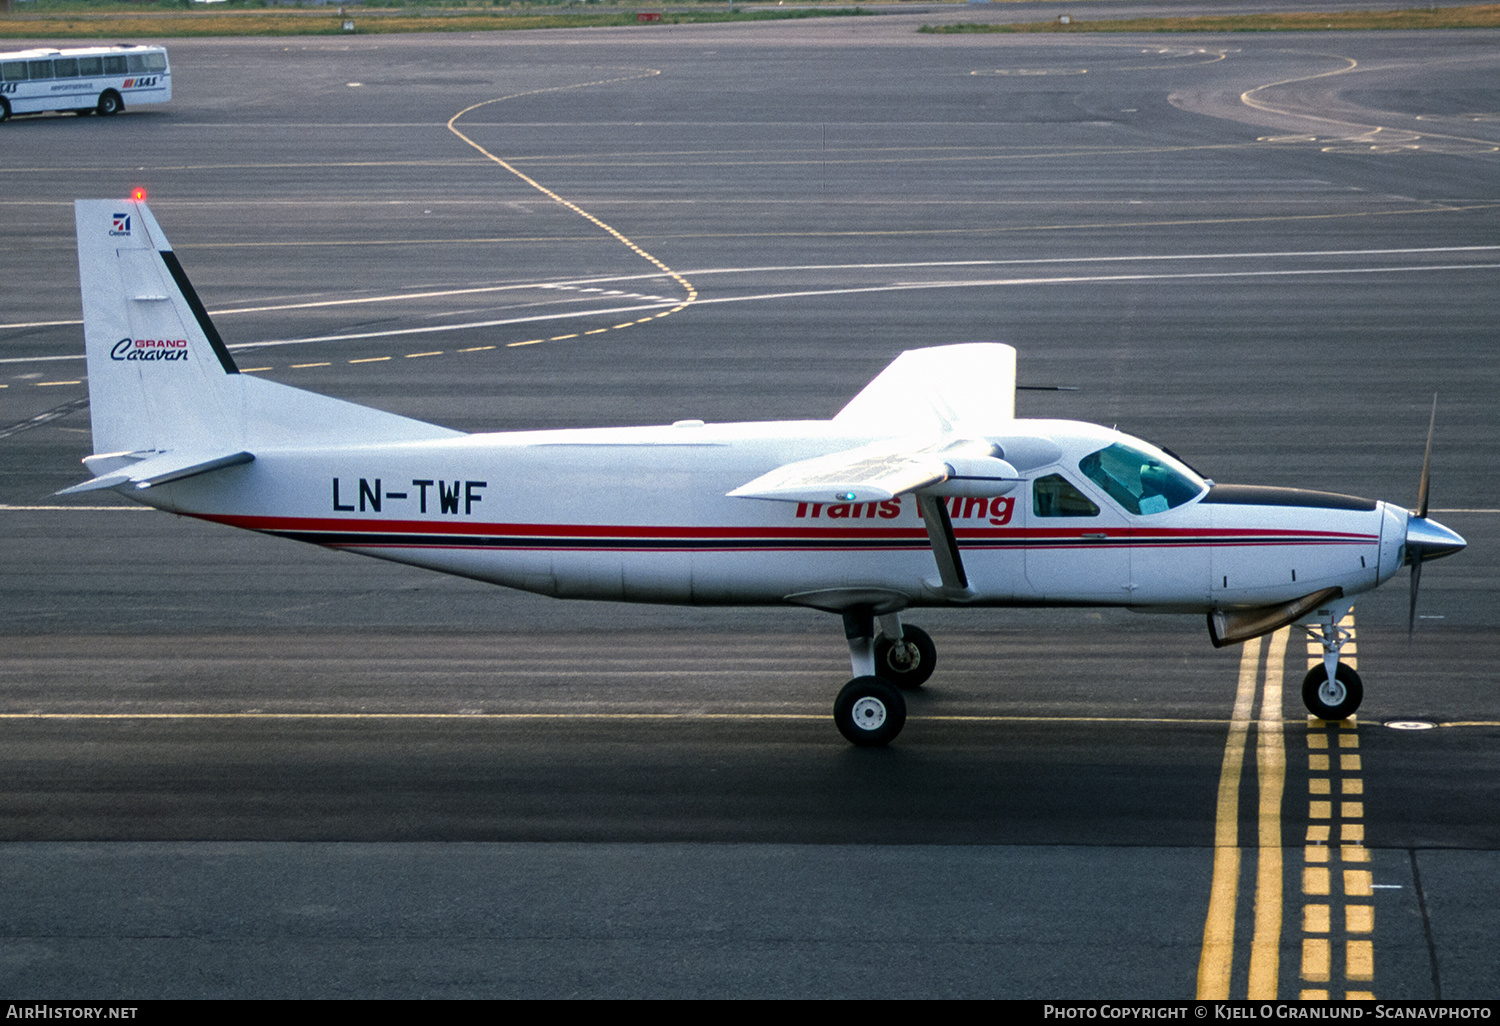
x=44 y=384
x=687 y=286
x=253 y=370
x=1328 y=860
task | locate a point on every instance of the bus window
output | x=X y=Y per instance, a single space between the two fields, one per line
x=13 y=71
x=156 y=62
x=65 y=67
x=90 y=67
x=39 y=69
x=114 y=65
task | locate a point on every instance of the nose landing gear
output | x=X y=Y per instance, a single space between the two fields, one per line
x=1332 y=691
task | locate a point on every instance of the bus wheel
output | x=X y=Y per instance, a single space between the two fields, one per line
x=110 y=103
x=4 y=109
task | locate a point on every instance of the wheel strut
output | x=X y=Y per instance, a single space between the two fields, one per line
x=1332 y=691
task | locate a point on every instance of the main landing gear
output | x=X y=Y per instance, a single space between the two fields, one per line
x=1331 y=691
x=870 y=710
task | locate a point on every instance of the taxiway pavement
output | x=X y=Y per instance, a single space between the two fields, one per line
x=232 y=765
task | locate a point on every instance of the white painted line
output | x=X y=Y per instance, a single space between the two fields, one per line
x=867 y=289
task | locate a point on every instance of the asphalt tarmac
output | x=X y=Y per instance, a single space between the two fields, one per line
x=231 y=765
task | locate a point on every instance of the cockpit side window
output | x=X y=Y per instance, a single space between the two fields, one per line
x=1140 y=482
x=1055 y=496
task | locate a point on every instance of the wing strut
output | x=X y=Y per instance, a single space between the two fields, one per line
x=944 y=544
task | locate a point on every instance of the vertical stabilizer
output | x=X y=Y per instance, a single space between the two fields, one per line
x=161 y=378
x=159 y=375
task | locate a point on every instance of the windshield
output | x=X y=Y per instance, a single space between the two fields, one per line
x=1142 y=482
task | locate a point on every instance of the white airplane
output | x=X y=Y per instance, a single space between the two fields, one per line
x=925 y=490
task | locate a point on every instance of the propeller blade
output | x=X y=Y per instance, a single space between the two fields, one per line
x=1416 y=582
x=1425 y=483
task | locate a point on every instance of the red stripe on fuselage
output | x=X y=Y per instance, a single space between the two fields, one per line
x=1082 y=536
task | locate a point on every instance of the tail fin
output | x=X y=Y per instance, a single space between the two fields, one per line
x=160 y=377
x=158 y=371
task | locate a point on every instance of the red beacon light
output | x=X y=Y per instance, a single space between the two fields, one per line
x=138 y=194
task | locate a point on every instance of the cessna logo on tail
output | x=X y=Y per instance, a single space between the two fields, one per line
x=120 y=224
x=150 y=349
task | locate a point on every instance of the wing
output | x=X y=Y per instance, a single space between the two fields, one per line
x=885 y=469
x=870 y=473
x=969 y=388
x=882 y=470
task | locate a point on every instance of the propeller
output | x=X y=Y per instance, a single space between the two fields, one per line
x=1426 y=539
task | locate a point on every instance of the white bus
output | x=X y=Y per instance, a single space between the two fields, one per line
x=89 y=79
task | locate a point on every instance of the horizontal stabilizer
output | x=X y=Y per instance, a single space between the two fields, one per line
x=162 y=469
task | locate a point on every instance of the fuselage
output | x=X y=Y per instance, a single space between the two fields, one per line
x=642 y=515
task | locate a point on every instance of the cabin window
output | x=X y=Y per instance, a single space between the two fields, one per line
x=1055 y=496
x=1137 y=480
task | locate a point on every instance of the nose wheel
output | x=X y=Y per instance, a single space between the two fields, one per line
x=1332 y=699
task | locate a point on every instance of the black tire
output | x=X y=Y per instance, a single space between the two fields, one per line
x=869 y=712
x=1332 y=700
x=912 y=671
x=109 y=103
x=4 y=109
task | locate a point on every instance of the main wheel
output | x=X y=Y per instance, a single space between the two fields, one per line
x=1335 y=699
x=110 y=103
x=869 y=712
x=906 y=666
